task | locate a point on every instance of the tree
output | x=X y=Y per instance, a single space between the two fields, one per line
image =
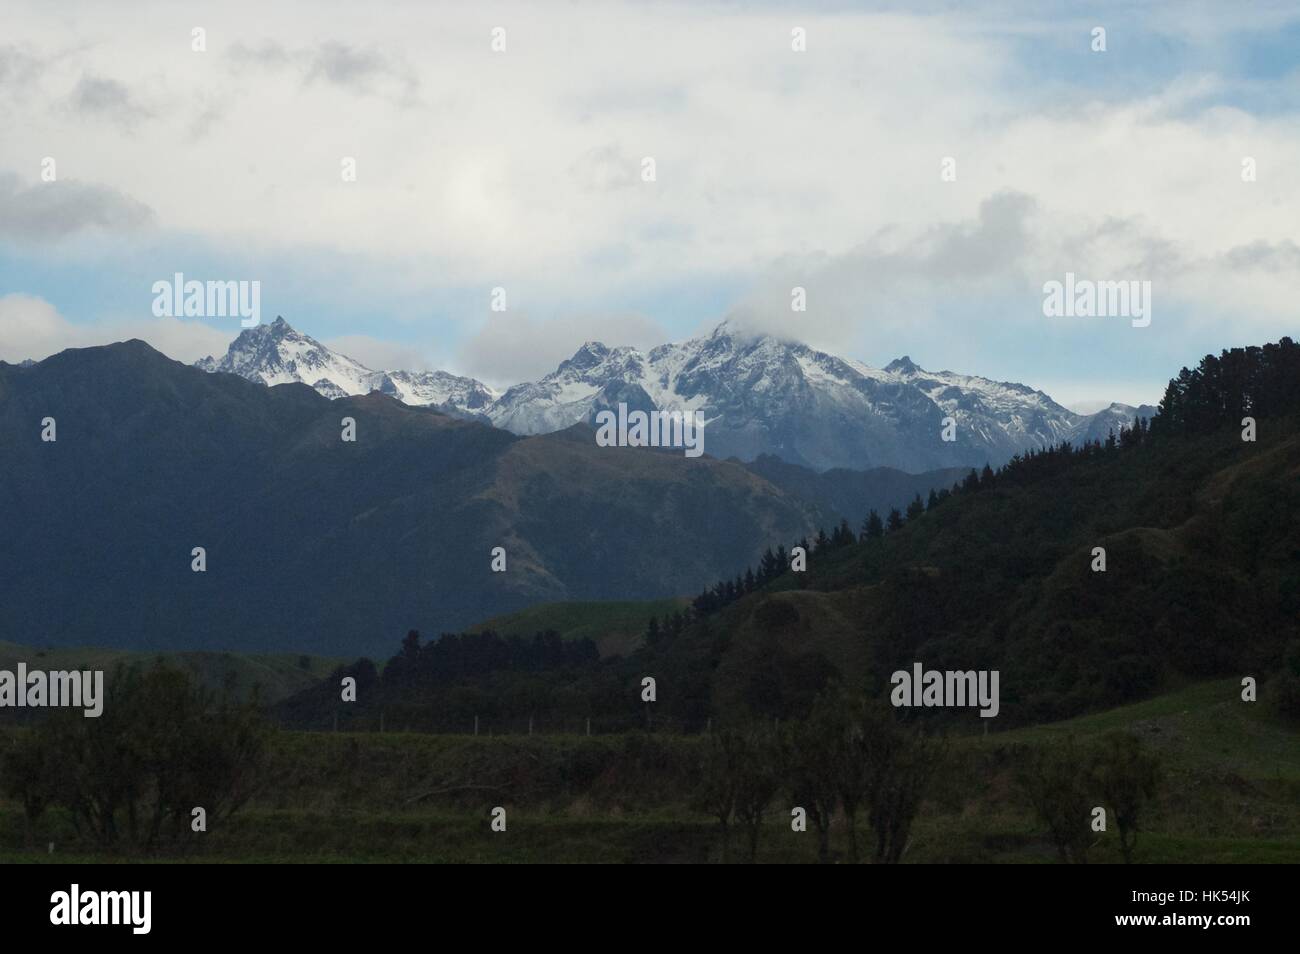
x=1127 y=777
x=873 y=527
x=841 y=716
x=915 y=508
x=676 y=622
x=719 y=780
x=900 y=763
x=32 y=775
x=814 y=746
x=1055 y=780
x=758 y=779
x=131 y=778
x=895 y=521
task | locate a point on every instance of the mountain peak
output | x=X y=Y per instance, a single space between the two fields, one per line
x=589 y=355
x=903 y=365
x=279 y=354
x=739 y=329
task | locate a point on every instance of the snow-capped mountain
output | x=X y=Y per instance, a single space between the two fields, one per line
x=757 y=394
x=277 y=354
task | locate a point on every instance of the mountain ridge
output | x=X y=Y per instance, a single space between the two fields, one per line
x=279 y=354
x=758 y=394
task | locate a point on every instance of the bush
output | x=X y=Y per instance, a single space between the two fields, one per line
x=131 y=778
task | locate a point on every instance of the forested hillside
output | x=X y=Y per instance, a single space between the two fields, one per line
x=1197 y=527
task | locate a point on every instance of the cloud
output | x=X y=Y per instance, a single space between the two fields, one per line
x=48 y=211
x=604 y=169
x=1281 y=256
x=18 y=66
x=378 y=355
x=362 y=71
x=99 y=97
x=895 y=278
x=31 y=327
x=774 y=168
x=511 y=348
x=268 y=55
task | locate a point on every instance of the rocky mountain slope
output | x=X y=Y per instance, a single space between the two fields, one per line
x=758 y=395
x=278 y=354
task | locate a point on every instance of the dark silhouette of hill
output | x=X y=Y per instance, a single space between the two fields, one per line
x=317 y=544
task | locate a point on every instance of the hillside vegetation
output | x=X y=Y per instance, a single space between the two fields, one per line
x=1230 y=795
x=1088 y=577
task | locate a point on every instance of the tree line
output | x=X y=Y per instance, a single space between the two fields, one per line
x=453 y=657
x=1256 y=381
x=1241 y=382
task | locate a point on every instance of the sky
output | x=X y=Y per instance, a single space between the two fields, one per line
x=920 y=170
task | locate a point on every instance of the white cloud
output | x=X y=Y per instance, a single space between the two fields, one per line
x=48 y=211
x=380 y=355
x=511 y=347
x=31 y=327
x=522 y=169
x=524 y=165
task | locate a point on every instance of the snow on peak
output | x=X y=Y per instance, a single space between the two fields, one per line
x=279 y=354
x=758 y=393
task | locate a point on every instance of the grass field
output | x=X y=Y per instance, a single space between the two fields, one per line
x=1231 y=794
